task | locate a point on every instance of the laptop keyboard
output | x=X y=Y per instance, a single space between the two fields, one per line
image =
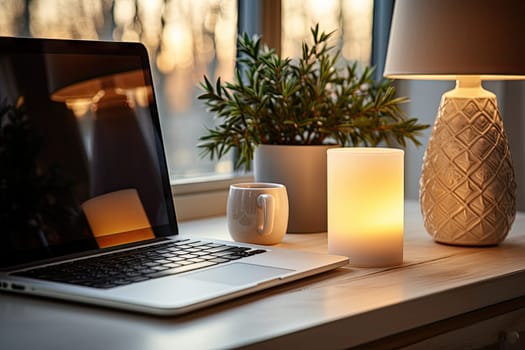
x=140 y=264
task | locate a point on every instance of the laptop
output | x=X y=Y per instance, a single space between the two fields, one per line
x=86 y=209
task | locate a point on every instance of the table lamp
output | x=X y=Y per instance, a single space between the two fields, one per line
x=467 y=190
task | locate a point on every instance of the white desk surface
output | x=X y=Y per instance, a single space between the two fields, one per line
x=342 y=308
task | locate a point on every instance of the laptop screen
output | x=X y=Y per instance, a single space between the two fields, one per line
x=82 y=165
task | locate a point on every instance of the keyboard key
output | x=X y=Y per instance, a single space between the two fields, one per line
x=159 y=268
x=171 y=265
x=162 y=261
x=207 y=257
x=175 y=258
x=232 y=257
x=188 y=256
x=201 y=253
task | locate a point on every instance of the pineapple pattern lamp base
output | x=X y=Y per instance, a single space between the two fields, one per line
x=467 y=189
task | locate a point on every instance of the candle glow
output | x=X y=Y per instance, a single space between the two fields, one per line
x=365 y=205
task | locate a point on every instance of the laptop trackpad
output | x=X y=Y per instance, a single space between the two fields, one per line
x=239 y=274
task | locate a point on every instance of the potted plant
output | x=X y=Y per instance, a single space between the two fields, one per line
x=275 y=104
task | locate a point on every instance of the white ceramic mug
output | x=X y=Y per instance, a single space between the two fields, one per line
x=257 y=212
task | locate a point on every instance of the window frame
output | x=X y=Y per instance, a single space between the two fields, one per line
x=204 y=197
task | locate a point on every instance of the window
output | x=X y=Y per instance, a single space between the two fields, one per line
x=350 y=19
x=187 y=39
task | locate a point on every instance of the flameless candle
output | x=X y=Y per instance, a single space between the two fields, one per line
x=365 y=205
x=117 y=217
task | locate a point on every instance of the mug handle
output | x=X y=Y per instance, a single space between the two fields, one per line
x=266 y=204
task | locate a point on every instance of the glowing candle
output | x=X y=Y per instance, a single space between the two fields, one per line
x=365 y=205
x=117 y=217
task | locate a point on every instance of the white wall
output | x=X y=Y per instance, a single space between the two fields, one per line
x=425 y=97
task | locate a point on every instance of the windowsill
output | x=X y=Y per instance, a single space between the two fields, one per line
x=203 y=197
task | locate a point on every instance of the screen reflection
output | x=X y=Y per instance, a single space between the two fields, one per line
x=81 y=165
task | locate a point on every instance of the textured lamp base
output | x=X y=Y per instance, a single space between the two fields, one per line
x=467 y=189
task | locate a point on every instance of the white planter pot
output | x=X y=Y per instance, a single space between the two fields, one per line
x=302 y=169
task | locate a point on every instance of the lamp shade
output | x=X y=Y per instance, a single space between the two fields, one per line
x=77 y=76
x=441 y=39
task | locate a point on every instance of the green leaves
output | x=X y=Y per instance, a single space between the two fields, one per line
x=316 y=99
